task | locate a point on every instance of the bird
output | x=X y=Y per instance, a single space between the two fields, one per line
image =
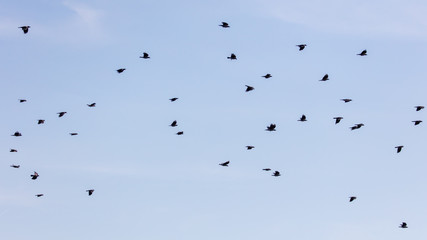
x=232 y=57
x=338 y=119
x=352 y=198
x=74 y=134
x=15 y=166
x=249 y=88
x=91 y=105
x=40 y=121
x=145 y=55
x=302 y=46
x=174 y=124
x=276 y=174
x=267 y=76
x=224 y=25
x=22 y=100
x=180 y=133
x=270 y=128
x=225 y=164
x=357 y=126
x=249 y=147
x=120 y=70
x=363 y=53
x=303 y=118
x=416 y=122
x=17 y=134
x=266 y=169
x=418 y=108
x=61 y=114
x=90 y=191
x=39 y=195
x=346 y=100
x=403 y=225
x=399 y=148
x=13 y=150
x=173 y=99
x=34 y=176
x=325 y=78
x=25 y=29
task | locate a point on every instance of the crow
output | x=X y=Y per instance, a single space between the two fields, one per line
x=17 y=134
x=352 y=198
x=22 y=100
x=174 y=124
x=74 y=134
x=416 y=122
x=403 y=225
x=40 y=121
x=180 y=133
x=39 y=195
x=90 y=191
x=249 y=88
x=61 y=114
x=249 y=147
x=25 y=29
x=302 y=46
x=363 y=53
x=357 y=126
x=91 y=105
x=120 y=70
x=34 y=176
x=145 y=56
x=325 y=78
x=399 y=148
x=173 y=99
x=232 y=57
x=276 y=174
x=224 y=25
x=13 y=150
x=267 y=76
x=15 y=166
x=418 y=108
x=266 y=169
x=225 y=164
x=303 y=118
x=338 y=119
x=346 y=100
x=270 y=128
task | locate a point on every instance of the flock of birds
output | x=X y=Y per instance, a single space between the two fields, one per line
x=270 y=128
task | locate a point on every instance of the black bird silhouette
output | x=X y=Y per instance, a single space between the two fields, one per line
x=301 y=46
x=15 y=166
x=13 y=150
x=266 y=169
x=403 y=225
x=267 y=76
x=91 y=105
x=174 y=124
x=39 y=195
x=337 y=119
x=180 y=133
x=249 y=147
x=61 y=114
x=270 y=128
x=25 y=29
x=363 y=53
x=17 y=134
x=173 y=99
x=90 y=191
x=399 y=148
x=249 y=88
x=352 y=198
x=40 y=121
x=303 y=118
x=120 y=70
x=232 y=57
x=225 y=25
x=74 y=134
x=416 y=122
x=34 y=176
x=276 y=174
x=418 y=108
x=22 y=100
x=145 y=56
x=325 y=78
x=346 y=100
x=357 y=126
x=225 y=164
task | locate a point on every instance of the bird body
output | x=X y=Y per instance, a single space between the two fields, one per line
x=34 y=176
x=399 y=148
x=301 y=46
x=224 y=25
x=22 y=100
x=15 y=166
x=338 y=119
x=403 y=225
x=249 y=88
x=276 y=174
x=17 y=134
x=74 y=134
x=13 y=150
x=232 y=57
x=419 y=108
x=91 y=105
x=120 y=70
x=40 y=121
x=39 y=195
x=180 y=133
x=90 y=191
x=61 y=114
x=25 y=29
x=363 y=53
x=225 y=164
x=346 y=100
x=266 y=169
x=173 y=99
x=416 y=122
x=357 y=126
x=325 y=78
x=303 y=118
x=145 y=56
x=249 y=147
x=352 y=198
x=174 y=124
x=267 y=76
x=271 y=128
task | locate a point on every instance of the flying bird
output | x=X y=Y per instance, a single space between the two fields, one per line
x=270 y=128
x=91 y=105
x=173 y=99
x=399 y=148
x=120 y=70
x=61 y=114
x=40 y=121
x=363 y=53
x=303 y=118
x=17 y=134
x=22 y=100
x=90 y=191
x=346 y=100
x=15 y=166
x=180 y=133
x=325 y=78
x=338 y=119
x=276 y=174
x=419 y=108
x=145 y=56
x=39 y=195
x=249 y=88
x=403 y=225
x=266 y=169
x=174 y=124
x=416 y=122
x=249 y=147
x=34 y=176
x=232 y=57
x=352 y=198
x=302 y=46
x=13 y=150
x=267 y=76
x=25 y=29
x=357 y=126
x=225 y=164
x=225 y=25
x=74 y=134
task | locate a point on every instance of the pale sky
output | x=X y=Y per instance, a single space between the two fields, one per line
x=152 y=184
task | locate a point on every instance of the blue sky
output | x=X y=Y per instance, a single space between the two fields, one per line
x=152 y=184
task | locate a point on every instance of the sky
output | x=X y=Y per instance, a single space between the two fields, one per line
x=153 y=184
